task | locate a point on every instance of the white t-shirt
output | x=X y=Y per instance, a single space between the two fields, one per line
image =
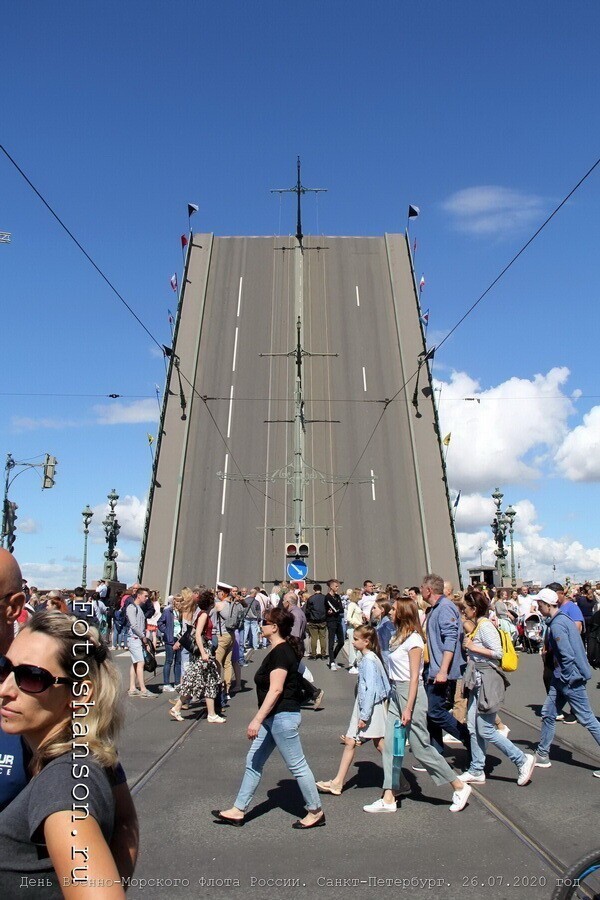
x=274 y=598
x=398 y=661
x=524 y=604
x=366 y=603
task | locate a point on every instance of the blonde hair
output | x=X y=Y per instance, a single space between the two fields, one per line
x=406 y=619
x=104 y=718
x=370 y=635
x=188 y=602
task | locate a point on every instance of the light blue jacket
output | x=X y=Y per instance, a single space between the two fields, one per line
x=565 y=642
x=445 y=632
x=373 y=684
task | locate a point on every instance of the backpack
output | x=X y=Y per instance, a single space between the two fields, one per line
x=235 y=619
x=593 y=645
x=120 y=617
x=510 y=660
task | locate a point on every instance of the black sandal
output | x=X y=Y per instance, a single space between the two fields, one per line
x=226 y=820
x=316 y=824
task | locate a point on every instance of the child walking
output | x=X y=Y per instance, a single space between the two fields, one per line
x=369 y=713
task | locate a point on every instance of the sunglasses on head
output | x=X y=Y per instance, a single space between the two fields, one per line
x=30 y=679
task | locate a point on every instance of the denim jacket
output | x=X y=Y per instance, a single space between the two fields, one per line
x=373 y=684
x=445 y=632
x=571 y=663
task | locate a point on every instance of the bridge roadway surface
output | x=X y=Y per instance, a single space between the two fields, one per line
x=373 y=337
x=506 y=841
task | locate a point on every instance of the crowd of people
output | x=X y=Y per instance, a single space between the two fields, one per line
x=428 y=665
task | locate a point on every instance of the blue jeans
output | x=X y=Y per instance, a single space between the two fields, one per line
x=120 y=635
x=281 y=731
x=439 y=717
x=482 y=729
x=251 y=628
x=172 y=658
x=185 y=660
x=558 y=695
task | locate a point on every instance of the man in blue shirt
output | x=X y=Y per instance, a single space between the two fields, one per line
x=571 y=672
x=14 y=754
x=446 y=663
x=570 y=609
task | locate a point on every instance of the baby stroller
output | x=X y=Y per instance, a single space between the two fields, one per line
x=533 y=633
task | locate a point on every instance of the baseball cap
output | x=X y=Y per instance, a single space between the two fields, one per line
x=546 y=595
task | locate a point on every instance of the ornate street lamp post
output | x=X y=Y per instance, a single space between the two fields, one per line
x=87 y=518
x=499 y=528
x=511 y=515
x=111 y=530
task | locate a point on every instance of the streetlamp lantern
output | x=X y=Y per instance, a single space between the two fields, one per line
x=111 y=530
x=503 y=522
x=87 y=516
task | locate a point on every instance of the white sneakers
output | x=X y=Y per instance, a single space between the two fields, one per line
x=450 y=739
x=471 y=778
x=504 y=731
x=334 y=667
x=526 y=769
x=459 y=798
x=216 y=720
x=352 y=670
x=380 y=806
x=168 y=688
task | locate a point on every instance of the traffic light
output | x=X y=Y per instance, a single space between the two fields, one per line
x=10 y=517
x=49 y=471
x=297 y=551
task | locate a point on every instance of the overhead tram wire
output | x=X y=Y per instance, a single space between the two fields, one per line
x=129 y=309
x=400 y=389
x=469 y=311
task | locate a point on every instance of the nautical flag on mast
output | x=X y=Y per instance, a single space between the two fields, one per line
x=171 y=317
x=421 y=283
x=413 y=211
x=425 y=319
x=174 y=281
x=447 y=439
x=192 y=208
x=150 y=439
x=184 y=241
x=457 y=500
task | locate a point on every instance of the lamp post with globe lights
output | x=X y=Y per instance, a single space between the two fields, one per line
x=87 y=515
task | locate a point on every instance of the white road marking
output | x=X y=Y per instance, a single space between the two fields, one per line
x=231 y=410
x=364 y=379
x=239 y=297
x=218 y=578
x=235 y=348
x=357 y=297
x=225 y=484
x=373 y=483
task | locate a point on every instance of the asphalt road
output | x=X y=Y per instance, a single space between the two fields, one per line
x=360 y=320
x=509 y=842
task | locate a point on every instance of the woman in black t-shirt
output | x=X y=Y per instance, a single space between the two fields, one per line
x=279 y=690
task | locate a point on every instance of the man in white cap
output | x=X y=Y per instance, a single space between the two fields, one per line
x=571 y=672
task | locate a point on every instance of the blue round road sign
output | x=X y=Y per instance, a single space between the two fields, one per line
x=297 y=570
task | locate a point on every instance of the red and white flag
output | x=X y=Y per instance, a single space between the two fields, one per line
x=184 y=241
x=421 y=283
x=174 y=282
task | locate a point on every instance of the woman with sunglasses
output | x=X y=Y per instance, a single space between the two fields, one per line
x=59 y=691
x=279 y=690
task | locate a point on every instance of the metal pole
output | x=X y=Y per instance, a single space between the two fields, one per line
x=298 y=476
x=8 y=468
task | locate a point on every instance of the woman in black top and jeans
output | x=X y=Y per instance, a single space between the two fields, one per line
x=278 y=686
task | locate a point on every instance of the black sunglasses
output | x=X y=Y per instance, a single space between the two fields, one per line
x=265 y=622
x=30 y=679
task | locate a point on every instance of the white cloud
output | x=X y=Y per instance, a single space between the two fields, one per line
x=578 y=457
x=27 y=423
x=28 y=526
x=542 y=559
x=127 y=413
x=493 y=210
x=492 y=438
x=131 y=515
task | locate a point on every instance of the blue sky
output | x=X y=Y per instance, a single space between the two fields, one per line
x=481 y=114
